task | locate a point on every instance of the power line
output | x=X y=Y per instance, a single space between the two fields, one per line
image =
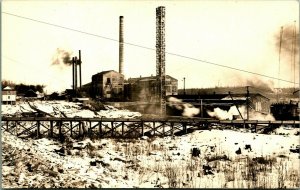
x=11 y=59
x=148 y=48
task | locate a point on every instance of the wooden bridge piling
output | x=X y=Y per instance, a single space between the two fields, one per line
x=38 y=129
x=51 y=129
x=105 y=127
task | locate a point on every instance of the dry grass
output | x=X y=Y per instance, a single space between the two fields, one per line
x=188 y=172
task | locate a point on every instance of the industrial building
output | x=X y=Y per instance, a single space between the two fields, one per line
x=146 y=88
x=108 y=85
x=256 y=102
x=8 y=96
x=111 y=85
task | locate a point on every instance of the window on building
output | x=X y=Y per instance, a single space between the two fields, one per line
x=258 y=106
x=169 y=89
x=8 y=97
x=108 y=81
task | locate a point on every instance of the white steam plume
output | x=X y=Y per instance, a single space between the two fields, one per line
x=188 y=109
x=253 y=115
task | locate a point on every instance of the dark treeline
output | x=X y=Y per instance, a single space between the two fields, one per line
x=236 y=90
x=23 y=88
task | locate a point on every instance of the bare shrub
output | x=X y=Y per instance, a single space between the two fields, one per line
x=281 y=174
x=264 y=160
x=217 y=157
x=142 y=173
x=293 y=176
x=173 y=175
x=230 y=174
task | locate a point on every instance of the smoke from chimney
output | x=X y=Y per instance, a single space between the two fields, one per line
x=228 y=115
x=188 y=110
x=62 y=57
x=262 y=85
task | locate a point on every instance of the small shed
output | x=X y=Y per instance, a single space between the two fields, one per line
x=9 y=96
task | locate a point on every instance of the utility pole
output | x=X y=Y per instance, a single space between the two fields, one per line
x=183 y=85
x=247 y=102
x=201 y=106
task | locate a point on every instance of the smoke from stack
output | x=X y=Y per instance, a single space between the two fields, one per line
x=188 y=109
x=62 y=57
x=262 y=85
x=228 y=115
x=223 y=114
x=121 y=46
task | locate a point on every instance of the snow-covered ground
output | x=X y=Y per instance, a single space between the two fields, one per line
x=202 y=159
x=65 y=109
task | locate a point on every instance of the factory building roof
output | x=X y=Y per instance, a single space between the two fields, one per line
x=148 y=78
x=105 y=72
x=243 y=96
x=7 y=88
x=219 y=96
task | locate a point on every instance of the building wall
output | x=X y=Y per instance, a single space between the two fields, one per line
x=145 y=88
x=9 y=96
x=108 y=85
x=260 y=103
x=171 y=86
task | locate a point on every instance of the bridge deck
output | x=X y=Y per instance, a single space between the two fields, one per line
x=120 y=127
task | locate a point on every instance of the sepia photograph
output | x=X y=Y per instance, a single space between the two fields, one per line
x=150 y=94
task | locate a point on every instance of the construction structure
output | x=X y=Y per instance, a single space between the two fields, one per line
x=121 y=46
x=76 y=63
x=160 y=58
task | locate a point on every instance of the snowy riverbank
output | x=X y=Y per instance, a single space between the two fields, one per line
x=202 y=159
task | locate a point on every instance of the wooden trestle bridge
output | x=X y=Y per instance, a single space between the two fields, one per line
x=123 y=128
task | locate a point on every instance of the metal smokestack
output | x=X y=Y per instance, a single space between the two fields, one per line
x=73 y=73
x=79 y=62
x=75 y=62
x=121 y=46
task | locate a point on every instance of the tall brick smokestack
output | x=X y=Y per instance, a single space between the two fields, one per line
x=121 y=47
x=73 y=73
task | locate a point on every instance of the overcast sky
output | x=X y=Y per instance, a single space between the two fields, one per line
x=239 y=34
